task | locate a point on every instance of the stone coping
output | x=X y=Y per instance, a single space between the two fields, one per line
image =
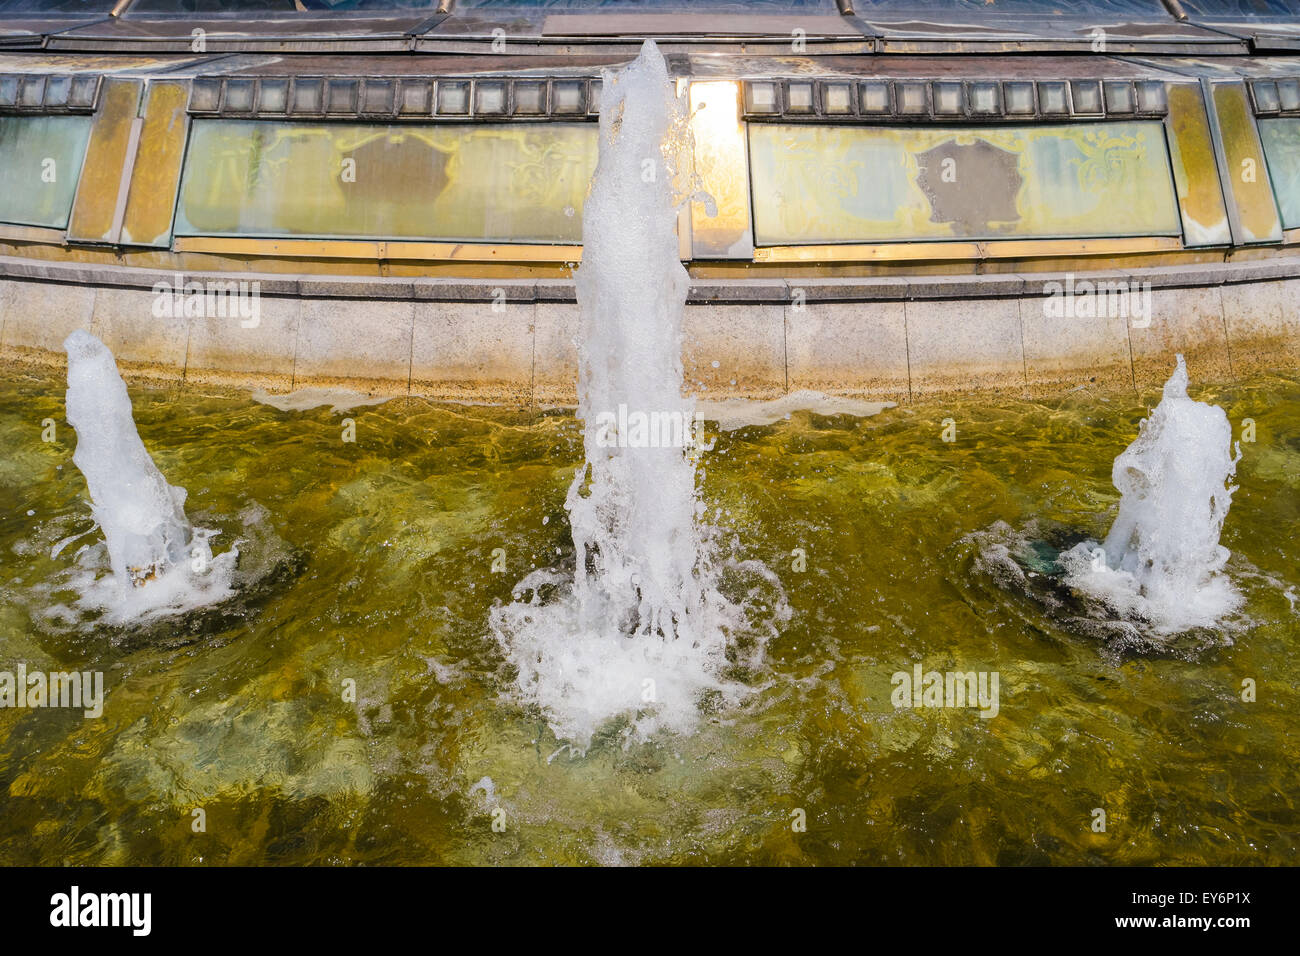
x=702 y=291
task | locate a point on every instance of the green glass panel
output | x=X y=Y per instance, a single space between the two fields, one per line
x=508 y=183
x=855 y=184
x=1281 y=139
x=40 y=162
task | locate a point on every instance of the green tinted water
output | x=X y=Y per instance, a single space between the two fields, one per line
x=379 y=558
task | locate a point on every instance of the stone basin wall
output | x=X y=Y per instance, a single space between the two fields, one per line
x=511 y=341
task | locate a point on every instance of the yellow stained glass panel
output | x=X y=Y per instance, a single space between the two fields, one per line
x=821 y=184
x=1247 y=173
x=509 y=183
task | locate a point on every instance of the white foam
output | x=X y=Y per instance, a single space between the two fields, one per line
x=304 y=399
x=201 y=580
x=734 y=413
x=1162 y=561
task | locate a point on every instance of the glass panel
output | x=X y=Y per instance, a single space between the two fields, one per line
x=854 y=184
x=57 y=7
x=509 y=183
x=1282 y=150
x=95 y=208
x=277 y=7
x=1247 y=169
x=719 y=138
x=1196 y=171
x=931 y=10
x=157 y=170
x=659 y=6
x=1241 y=9
x=210 y=6
x=40 y=162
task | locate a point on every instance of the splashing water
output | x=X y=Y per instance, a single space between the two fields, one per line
x=158 y=561
x=642 y=628
x=143 y=517
x=633 y=508
x=1162 y=561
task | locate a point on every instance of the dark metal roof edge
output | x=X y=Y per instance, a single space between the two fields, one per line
x=425 y=35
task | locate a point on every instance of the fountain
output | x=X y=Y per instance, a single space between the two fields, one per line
x=1162 y=562
x=142 y=517
x=632 y=507
x=151 y=545
x=641 y=628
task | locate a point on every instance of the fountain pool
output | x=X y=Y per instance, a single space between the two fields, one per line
x=357 y=709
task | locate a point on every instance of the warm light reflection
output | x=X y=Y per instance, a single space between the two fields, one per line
x=720 y=163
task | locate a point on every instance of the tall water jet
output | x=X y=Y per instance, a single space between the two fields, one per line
x=1162 y=561
x=632 y=505
x=159 y=563
x=641 y=628
x=141 y=515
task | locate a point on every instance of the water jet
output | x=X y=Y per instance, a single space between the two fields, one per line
x=641 y=629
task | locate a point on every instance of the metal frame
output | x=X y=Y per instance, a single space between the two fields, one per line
x=498 y=97
x=394 y=98
x=380 y=249
x=1170 y=30
x=103 y=123
x=128 y=173
x=1171 y=138
x=959 y=249
x=40 y=234
x=1275 y=96
x=49 y=92
x=1226 y=172
x=949 y=99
